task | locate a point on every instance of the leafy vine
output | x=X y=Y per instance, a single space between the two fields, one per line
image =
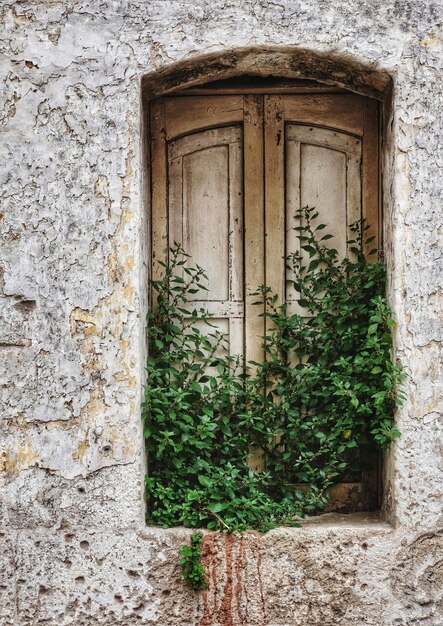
x=326 y=387
x=192 y=568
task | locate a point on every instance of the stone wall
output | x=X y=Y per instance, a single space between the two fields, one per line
x=74 y=546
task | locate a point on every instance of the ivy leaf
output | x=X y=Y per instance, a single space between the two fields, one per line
x=205 y=481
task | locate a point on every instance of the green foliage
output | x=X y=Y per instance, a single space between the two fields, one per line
x=326 y=387
x=192 y=568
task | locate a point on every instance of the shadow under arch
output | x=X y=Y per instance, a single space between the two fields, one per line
x=325 y=67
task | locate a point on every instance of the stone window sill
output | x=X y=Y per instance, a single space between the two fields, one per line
x=372 y=522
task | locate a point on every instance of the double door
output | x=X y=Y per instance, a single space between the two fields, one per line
x=228 y=173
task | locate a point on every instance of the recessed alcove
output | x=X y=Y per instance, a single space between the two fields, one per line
x=271 y=73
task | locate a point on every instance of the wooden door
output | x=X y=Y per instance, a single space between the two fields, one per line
x=207 y=193
x=320 y=151
x=228 y=175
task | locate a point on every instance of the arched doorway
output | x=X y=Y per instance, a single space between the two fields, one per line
x=231 y=161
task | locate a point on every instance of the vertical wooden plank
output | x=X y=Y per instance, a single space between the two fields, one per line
x=159 y=192
x=370 y=172
x=293 y=204
x=236 y=257
x=236 y=260
x=353 y=192
x=175 y=201
x=274 y=195
x=254 y=239
x=254 y=223
x=274 y=181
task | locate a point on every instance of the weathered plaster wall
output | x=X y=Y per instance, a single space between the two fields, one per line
x=75 y=549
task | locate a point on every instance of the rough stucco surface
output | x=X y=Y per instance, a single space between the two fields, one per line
x=74 y=547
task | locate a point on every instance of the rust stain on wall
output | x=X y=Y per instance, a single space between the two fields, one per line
x=234 y=594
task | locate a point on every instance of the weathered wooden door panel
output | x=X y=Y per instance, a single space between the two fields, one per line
x=322 y=170
x=205 y=171
x=317 y=150
x=207 y=194
x=206 y=207
x=187 y=115
x=344 y=112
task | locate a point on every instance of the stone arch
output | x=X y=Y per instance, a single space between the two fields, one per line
x=285 y=62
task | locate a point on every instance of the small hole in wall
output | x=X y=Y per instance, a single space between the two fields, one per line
x=118 y=597
x=79 y=580
x=132 y=573
x=107 y=448
x=81 y=489
x=84 y=545
x=364 y=546
x=25 y=306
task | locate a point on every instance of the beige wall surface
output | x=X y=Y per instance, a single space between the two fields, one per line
x=74 y=548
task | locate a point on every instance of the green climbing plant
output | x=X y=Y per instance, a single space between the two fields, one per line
x=326 y=387
x=192 y=568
